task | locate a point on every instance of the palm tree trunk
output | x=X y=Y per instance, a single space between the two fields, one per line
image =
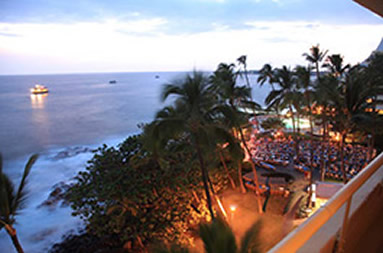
x=310 y=118
x=253 y=169
x=298 y=126
x=12 y=233
x=294 y=137
x=247 y=78
x=243 y=189
x=311 y=173
x=317 y=70
x=210 y=184
x=292 y=118
x=322 y=163
x=342 y=157
x=204 y=179
x=226 y=169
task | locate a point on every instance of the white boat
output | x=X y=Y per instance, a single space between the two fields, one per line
x=39 y=89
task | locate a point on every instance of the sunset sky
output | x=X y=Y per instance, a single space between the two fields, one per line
x=77 y=36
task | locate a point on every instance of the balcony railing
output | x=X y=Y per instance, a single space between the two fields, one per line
x=297 y=238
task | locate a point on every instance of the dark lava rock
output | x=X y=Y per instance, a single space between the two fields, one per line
x=70 y=152
x=88 y=243
x=39 y=236
x=58 y=194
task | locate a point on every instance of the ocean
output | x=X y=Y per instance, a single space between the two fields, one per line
x=80 y=112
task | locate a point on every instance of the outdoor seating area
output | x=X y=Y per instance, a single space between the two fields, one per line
x=271 y=154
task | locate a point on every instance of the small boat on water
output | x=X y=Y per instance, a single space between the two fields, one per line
x=112 y=81
x=39 y=89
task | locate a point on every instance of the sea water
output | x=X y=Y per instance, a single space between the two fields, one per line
x=80 y=112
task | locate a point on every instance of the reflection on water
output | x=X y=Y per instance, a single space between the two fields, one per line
x=40 y=118
x=37 y=100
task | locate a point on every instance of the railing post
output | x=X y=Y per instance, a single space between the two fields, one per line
x=342 y=239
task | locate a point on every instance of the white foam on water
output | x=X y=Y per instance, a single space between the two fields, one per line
x=38 y=228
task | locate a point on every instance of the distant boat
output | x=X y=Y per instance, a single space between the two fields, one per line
x=112 y=81
x=39 y=89
x=157 y=76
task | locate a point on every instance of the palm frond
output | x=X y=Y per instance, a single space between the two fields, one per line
x=7 y=197
x=251 y=240
x=21 y=193
x=217 y=237
x=170 y=89
x=172 y=249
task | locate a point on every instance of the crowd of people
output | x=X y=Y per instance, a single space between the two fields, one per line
x=285 y=151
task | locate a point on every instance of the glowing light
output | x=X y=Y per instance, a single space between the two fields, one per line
x=221 y=207
x=336 y=137
x=233 y=208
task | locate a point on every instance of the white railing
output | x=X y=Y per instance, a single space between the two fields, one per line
x=297 y=238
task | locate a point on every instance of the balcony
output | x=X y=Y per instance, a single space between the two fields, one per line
x=351 y=221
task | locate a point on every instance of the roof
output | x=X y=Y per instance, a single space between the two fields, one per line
x=276 y=181
x=373 y=5
x=326 y=190
x=379 y=49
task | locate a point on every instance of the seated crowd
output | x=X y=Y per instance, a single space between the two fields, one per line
x=283 y=151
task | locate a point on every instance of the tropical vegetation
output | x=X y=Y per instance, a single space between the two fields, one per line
x=157 y=187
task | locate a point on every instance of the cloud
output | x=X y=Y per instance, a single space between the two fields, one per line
x=140 y=26
x=144 y=45
x=9 y=34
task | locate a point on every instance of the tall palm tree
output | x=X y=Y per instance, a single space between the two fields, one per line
x=232 y=97
x=192 y=114
x=242 y=61
x=220 y=151
x=304 y=82
x=284 y=96
x=334 y=64
x=322 y=96
x=266 y=74
x=12 y=202
x=350 y=101
x=315 y=57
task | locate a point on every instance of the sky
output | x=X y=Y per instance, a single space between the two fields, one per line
x=84 y=36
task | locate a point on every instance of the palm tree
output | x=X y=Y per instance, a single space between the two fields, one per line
x=10 y=202
x=220 y=149
x=242 y=61
x=304 y=82
x=284 y=96
x=219 y=238
x=334 y=64
x=315 y=57
x=349 y=100
x=192 y=115
x=322 y=97
x=266 y=74
x=369 y=123
x=232 y=97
